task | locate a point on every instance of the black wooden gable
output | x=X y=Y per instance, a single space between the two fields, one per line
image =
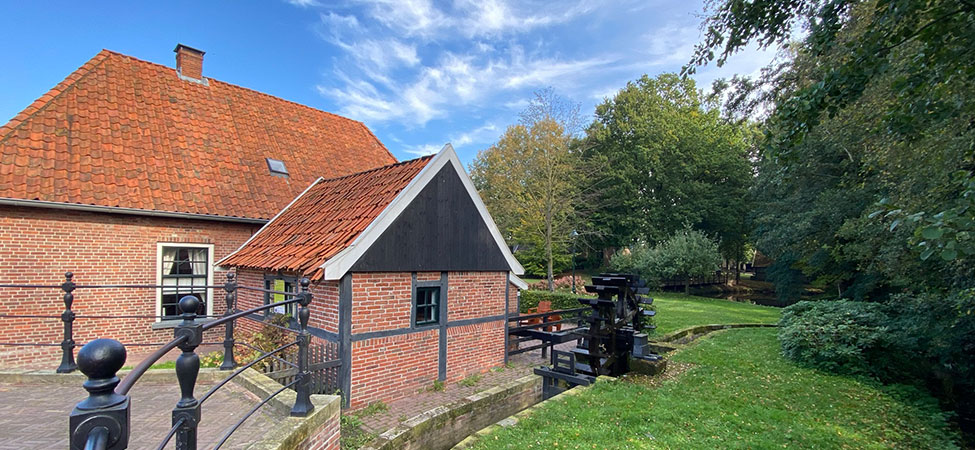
x=440 y=230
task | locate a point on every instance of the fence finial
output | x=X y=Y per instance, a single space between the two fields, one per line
x=104 y=412
x=186 y=414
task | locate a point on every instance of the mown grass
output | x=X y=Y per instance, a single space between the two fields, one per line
x=738 y=392
x=679 y=311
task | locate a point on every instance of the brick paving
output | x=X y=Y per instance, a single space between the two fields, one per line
x=35 y=416
x=403 y=409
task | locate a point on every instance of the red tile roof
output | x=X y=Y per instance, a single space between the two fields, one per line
x=121 y=132
x=325 y=220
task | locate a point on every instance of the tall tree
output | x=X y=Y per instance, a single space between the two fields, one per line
x=671 y=161
x=875 y=105
x=529 y=179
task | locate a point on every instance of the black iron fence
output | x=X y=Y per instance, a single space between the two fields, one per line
x=101 y=421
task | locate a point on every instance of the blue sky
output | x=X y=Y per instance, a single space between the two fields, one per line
x=419 y=73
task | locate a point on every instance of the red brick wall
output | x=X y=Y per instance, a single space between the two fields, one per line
x=326 y=438
x=389 y=368
x=393 y=367
x=38 y=245
x=474 y=349
x=512 y=299
x=475 y=294
x=381 y=301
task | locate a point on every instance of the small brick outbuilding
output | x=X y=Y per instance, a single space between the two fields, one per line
x=411 y=278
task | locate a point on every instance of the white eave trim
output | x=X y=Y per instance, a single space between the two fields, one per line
x=218 y=263
x=521 y=284
x=342 y=262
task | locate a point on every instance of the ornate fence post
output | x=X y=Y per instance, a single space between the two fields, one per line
x=67 y=345
x=187 y=410
x=303 y=405
x=228 y=341
x=102 y=419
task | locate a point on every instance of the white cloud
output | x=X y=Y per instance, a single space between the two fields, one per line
x=424 y=150
x=471 y=18
x=304 y=3
x=483 y=135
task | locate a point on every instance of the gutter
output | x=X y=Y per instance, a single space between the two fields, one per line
x=130 y=211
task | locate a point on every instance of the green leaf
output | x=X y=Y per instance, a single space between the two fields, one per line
x=932 y=232
x=949 y=254
x=894 y=224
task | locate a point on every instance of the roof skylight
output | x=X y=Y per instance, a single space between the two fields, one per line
x=276 y=166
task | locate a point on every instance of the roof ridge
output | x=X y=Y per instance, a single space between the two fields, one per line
x=388 y=166
x=47 y=98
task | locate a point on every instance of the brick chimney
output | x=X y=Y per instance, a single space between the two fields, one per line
x=189 y=62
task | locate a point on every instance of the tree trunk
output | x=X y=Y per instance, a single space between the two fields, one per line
x=687 y=285
x=548 y=248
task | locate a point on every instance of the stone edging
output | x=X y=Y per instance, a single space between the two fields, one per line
x=288 y=432
x=512 y=420
x=704 y=329
x=405 y=434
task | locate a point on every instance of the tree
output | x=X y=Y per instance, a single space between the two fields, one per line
x=529 y=181
x=671 y=161
x=685 y=255
x=870 y=127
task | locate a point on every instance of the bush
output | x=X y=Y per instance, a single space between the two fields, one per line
x=839 y=336
x=560 y=300
x=926 y=339
x=686 y=254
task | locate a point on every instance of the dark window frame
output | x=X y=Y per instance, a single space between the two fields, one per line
x=435 y=306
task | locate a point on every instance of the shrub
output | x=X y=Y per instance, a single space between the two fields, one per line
x=840 y=336
x=923 y=339
x=560 y=300
x=686 y=254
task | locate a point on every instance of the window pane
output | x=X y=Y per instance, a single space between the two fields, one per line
x=427 y=309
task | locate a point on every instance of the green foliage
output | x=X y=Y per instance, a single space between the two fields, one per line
x=533 y=257
x=839 y=336
x=531 y=182
x=873 y=105
x=268 y=339
x=686 y=254
x=912 y=338
x=739 y=392
x=671 y=161
x=471 y=380
x=560 y=300
x=438 y=386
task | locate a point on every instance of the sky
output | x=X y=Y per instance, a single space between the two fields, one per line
x=418 y=73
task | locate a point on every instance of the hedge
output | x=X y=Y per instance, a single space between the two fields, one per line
x=559 y=299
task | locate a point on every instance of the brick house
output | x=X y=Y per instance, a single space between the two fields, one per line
x=137 y=173
x=411 y=278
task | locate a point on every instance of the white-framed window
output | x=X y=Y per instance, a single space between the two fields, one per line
x=183 y=269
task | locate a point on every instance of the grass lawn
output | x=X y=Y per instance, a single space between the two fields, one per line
x=677 y=311
x=736 y=391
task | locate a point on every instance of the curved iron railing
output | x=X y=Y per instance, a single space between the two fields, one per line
x=102 y=419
